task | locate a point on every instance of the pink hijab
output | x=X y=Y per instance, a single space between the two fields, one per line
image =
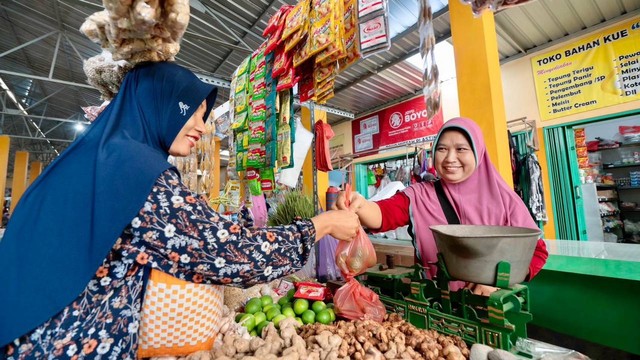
x=483 y=199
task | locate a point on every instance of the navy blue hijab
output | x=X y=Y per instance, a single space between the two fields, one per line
x=70 y=217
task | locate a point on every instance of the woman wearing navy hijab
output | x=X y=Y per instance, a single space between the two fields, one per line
x=77 y=253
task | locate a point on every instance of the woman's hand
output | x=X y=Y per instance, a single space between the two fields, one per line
x=341 y=224
x=484 y=290
x=368 y=211
x=356 y=202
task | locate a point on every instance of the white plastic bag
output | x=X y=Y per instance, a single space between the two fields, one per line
x=304 y=137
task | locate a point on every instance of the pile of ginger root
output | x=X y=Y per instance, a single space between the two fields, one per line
x=132 y=31
x=139 y=30
x=394 y=338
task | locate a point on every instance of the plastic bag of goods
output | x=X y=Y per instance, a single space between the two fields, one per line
x=353 y=300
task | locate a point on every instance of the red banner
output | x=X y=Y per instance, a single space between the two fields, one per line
x=405 y=123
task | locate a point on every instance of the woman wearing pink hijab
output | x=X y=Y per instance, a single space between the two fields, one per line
x=475 y=189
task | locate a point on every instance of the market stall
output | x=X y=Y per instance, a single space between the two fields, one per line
x=364 y=307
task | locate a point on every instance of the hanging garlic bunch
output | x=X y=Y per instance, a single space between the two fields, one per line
x=430 y=78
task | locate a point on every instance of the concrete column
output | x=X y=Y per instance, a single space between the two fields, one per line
x=479 y=80
x=20 y=169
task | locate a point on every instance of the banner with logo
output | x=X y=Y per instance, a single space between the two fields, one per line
x=405 y=123
x=594 y=72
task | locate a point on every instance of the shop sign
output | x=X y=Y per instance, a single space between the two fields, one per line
x=596 y=71
x=363 y=142
x=405 y=123
x=370 y=125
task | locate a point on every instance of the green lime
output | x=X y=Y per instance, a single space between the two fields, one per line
x=272 y=313
x=266 y=300
x=267 y=308
x=239 y=316
x=284 y=300
x=332 y=313
x=276 y=320
x=324 y=316
x=290 y=293
x=248 y=321
x=288 y=312
x=260 y=317
x=300 y=306
x=299 y=320
x=255 y=300
x=261 y=326
x=253 y=307
x=278 y=306
x=253 y=333
x=330 y=305
x=318 y=306
x=308 y=317
x=287 y=305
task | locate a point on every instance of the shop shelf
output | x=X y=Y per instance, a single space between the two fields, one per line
x=617 y=147
x=609 y=213
x=630 y=210
x=607 y=199
x=606 y=186
x=610 y=166
x=628 y=187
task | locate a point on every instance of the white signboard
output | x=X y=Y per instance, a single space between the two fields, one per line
x=370 y=125
x=363 y=142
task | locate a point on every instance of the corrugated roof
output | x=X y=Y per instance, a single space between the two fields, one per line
x=221 y=33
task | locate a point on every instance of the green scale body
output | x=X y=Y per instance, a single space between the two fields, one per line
x=497 y=320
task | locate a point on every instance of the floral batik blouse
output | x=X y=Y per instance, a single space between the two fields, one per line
x=181 y=235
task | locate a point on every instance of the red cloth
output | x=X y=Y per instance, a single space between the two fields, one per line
x=395 y=213
x=324 y=133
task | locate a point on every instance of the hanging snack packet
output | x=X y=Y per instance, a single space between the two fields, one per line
x=253 y=181
x=258 y=64
x=284 y=147
x=244 y=67
x=284 y=116
x=321 y=25
x=259 y=88
x=276 y=20
x=240 y=120
x=241 y=161
x=336 y=49
x=324 y=97
x=366 y=7
x=258 y=110
x=280 y=62
x=374 y=35
x=301 y=53
x=351 y=40
x=306 y=88
x=256 y=133
x=256 y=156
x=286 y=80
x=352 y=49
x=322 y=73
x=296 y=19
x=271 y=153
x=240 y=141
x=267 y=179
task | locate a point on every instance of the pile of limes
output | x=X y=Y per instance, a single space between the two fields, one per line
x=260 y=311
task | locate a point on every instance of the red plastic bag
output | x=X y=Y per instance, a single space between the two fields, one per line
x=353 y=300
x=357 y=302
x=355 y=257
